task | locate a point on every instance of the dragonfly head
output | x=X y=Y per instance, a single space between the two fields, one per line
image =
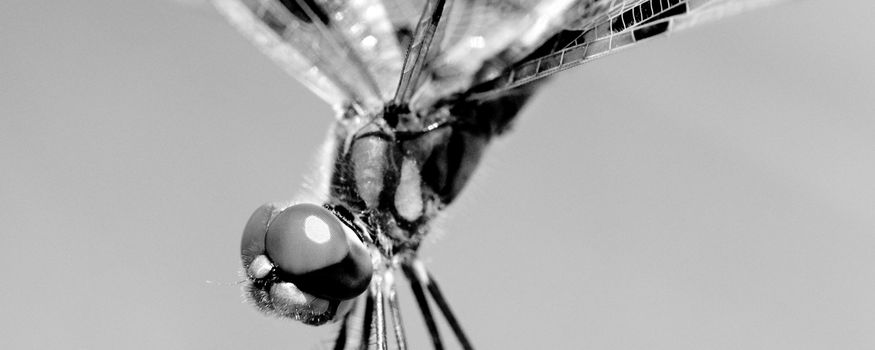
x=304 y=262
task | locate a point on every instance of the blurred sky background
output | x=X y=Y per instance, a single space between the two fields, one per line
x=711 y=191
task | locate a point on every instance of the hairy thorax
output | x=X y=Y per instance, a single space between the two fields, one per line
x=397 y=173
x=396 y=170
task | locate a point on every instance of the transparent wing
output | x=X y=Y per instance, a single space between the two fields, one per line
x=619 y=25
x=470 y=31
x=482 y=33
x=403 y=14
x=460 y=18
x=344 y=51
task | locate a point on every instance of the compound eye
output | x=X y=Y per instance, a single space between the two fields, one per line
x=309 y=247
x=304 y=238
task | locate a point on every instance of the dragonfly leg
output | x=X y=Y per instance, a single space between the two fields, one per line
x=421 y=300
x=425 y=278
x=367 y=319
x=380 y=316
x=340 y=343
x=395 y=311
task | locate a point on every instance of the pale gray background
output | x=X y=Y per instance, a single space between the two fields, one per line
x=711 y=191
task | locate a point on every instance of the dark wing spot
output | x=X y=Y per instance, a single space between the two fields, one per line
x=643 y=15
x=296 y=7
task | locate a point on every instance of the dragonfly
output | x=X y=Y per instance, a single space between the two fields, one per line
x=419 y=90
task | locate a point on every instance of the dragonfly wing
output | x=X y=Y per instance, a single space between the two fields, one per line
x=403 y=14
x=459 y=19
x=344 y=51
x=624 y=24
x=482 y=33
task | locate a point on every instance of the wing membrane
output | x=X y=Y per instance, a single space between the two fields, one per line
x=348 y=51
x=499 y=33
x=344 y=51
x=468 y=29
x=624 y=24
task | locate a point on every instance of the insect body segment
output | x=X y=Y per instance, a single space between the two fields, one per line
x=398 y=171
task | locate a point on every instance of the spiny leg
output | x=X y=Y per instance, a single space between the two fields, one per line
x=395 y=310
x=380 y=316
x=424 y=277
x=367 y=318
x=340 y=343
x=423 y=306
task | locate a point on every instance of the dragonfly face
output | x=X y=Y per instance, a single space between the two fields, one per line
x=304 y=262
x=412 y=128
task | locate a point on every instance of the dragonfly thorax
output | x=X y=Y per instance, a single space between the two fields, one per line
x=392 y=172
